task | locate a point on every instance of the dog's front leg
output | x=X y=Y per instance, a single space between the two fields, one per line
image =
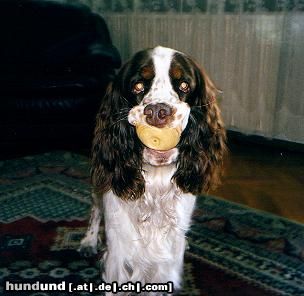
x=88 y=245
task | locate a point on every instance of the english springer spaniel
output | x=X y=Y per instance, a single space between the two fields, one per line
x=148 y=196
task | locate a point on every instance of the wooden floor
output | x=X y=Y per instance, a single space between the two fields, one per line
x=265 y=179
x=259 y=177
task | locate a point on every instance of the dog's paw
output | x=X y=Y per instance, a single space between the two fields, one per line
x=88 y=248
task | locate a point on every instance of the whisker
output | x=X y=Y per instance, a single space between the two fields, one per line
x=116 y=122
x=203 y=105
x=125 y=99
x=125 y=109
x=122 y=112
x=120 y=119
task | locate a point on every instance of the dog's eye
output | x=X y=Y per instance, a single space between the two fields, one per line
x=138 y=87
x=184 y=87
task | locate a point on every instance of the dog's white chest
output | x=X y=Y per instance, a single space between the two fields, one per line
x=146 y=237
x=162 y=214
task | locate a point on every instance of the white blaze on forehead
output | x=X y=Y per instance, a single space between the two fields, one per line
x=162 y=57
x=161 y=89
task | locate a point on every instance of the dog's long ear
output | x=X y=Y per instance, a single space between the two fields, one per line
x=116 y=151
x=203 y=142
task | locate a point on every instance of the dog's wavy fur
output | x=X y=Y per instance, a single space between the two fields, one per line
x=148 y=208
x=117 y=152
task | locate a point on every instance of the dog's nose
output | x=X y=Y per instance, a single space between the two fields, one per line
x=158 y=114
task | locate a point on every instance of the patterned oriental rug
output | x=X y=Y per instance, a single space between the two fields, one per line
x=44 y=205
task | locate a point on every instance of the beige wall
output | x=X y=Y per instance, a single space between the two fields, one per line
x=257 y=59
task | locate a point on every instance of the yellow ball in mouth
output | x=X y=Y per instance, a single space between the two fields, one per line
x=158 y=138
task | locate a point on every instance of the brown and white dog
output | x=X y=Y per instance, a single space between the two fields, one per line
x=148 y=196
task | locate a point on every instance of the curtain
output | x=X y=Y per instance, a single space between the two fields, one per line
x=253 y=50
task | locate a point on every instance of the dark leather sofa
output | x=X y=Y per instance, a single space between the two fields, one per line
x=56 y=61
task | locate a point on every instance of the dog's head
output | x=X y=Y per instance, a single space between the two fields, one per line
x=163 y=88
